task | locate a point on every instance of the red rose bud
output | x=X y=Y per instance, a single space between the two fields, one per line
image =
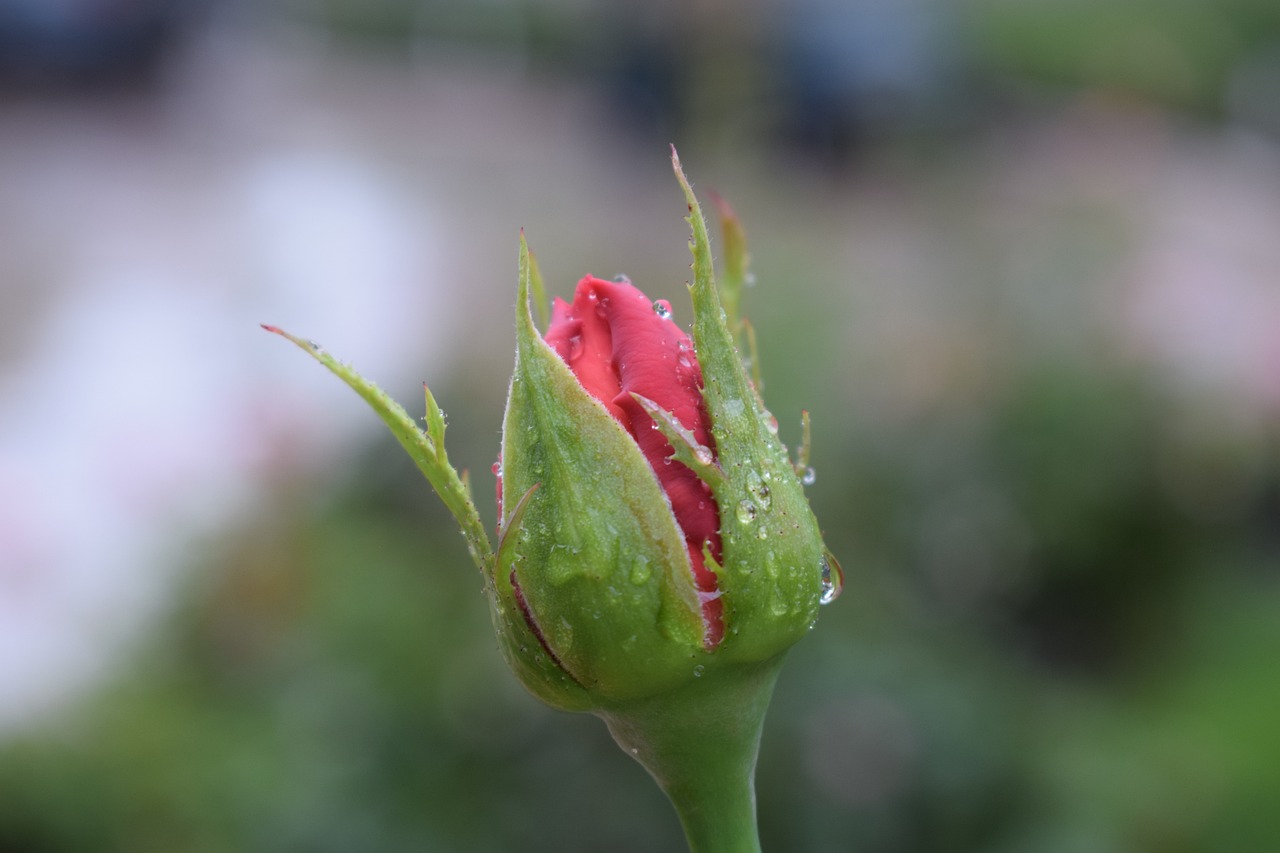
x=662 y=534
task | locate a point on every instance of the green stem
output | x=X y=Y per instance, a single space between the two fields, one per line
x=700 y=743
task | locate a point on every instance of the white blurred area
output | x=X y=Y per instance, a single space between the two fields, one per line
x=142 y=409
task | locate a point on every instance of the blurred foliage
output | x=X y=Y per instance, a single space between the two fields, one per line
x=1180 y=53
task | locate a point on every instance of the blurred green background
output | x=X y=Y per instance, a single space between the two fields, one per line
x=1020 y=262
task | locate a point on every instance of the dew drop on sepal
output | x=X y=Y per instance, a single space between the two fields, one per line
x=640 y=571
x=832 y=579
x=759 y=490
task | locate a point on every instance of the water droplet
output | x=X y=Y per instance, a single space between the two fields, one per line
x=832 y=579
x=635 y=751
x=497 y=469
x=770 y=423
x=315 y=347
x=746 y=512
x=698 y=670
x=808 y=477
x=703 y=454
x=759 y=490
x=662 y=308
x=763 y=533
x=575 y=347
x=640 y=571
x=622 y=279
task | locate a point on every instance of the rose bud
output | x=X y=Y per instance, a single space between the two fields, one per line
x=656 y=554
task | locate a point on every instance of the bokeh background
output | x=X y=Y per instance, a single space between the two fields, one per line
x=1021 y=261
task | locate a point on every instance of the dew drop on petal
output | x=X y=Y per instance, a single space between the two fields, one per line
x=622 y=279
x=662 y=308
x=746 y=511
x=698 y=670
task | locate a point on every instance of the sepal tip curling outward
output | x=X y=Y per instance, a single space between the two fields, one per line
x=425 y=448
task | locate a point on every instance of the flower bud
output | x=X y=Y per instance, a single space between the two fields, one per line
x=659 y=532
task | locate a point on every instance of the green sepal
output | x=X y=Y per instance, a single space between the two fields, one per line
x=598 y=555
x=435 y=420
x=684 y=445
x=538 y=292
x=426 y=449
x=737 y=262
x=772 y=550
x=806 y=444
x=537 y=667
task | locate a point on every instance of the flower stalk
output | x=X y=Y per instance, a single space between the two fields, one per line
x=700 y=745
